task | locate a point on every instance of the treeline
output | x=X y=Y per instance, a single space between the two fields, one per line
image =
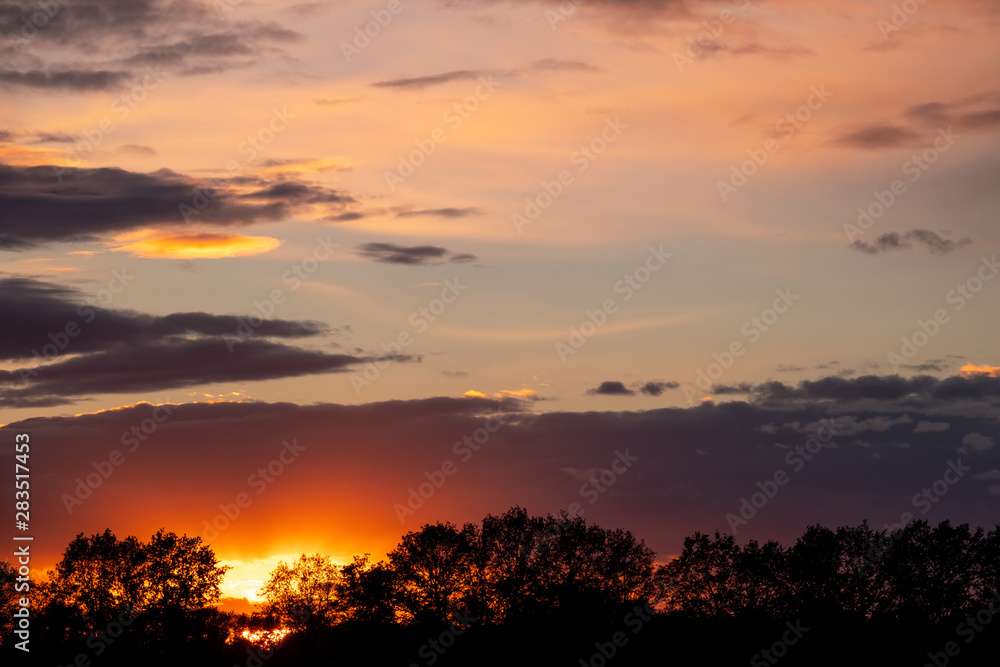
x=533 y=590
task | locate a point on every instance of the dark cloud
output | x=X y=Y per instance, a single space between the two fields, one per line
x=933 y=242
x=611 y=388
x=6 y=136
x=922 y=391
x=878 y=136
x=544 y=65
x=657 y=388
x=165 y=364
x=85 y=350
x=934 y=365
x=56 y=204
x=390 y=253
x=776 y=52
x=554 y=65
x=958 y=114
x=70 y=79
x=784 y=368
x=419 y=82
x=696 y=463
x=43 y=311
x=728 y=390
x=302 y=193
x=53 y=138
x=345 y=217
x=88 y=45
x=439 y=213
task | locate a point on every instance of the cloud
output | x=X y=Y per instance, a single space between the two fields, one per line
x=877 y=136
x=45 y=204
x=933 y=242
x=90 y=45
x=931 y=427
x=53 y=138
x=534 y=460
x=657 y=388
x=45 y=311
x=198 y=245
x=390 y=253
x=993 y=474
x=81 y=350
x=880 y=390
x=962 y=114
x=971 y=370
x=777 y=52
x=439 y=213
x=976 y=442
x=137 y=150
x=420 y=82
x=544 y=66
x=611 y=388
x=169 y=363
x=784 y=368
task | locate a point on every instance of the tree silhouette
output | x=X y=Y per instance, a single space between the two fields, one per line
x=304 y=594
x=555 y=584
x=432 y=573
x=366 y=592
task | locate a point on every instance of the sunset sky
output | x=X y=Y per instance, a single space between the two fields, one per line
x=339 y=238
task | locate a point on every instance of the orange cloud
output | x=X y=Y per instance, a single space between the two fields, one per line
x=198 y=245
x=972 y=369
x=32 y=157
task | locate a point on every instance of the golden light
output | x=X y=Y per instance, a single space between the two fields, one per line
x=972 y=369
x=265 y=638
x=196 y=245
x=472 y=393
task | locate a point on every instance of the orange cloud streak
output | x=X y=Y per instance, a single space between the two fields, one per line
x=199 y=245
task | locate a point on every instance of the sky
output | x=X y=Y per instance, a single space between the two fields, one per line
x=303 y=277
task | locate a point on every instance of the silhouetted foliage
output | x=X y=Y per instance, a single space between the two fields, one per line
x=534 y=590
